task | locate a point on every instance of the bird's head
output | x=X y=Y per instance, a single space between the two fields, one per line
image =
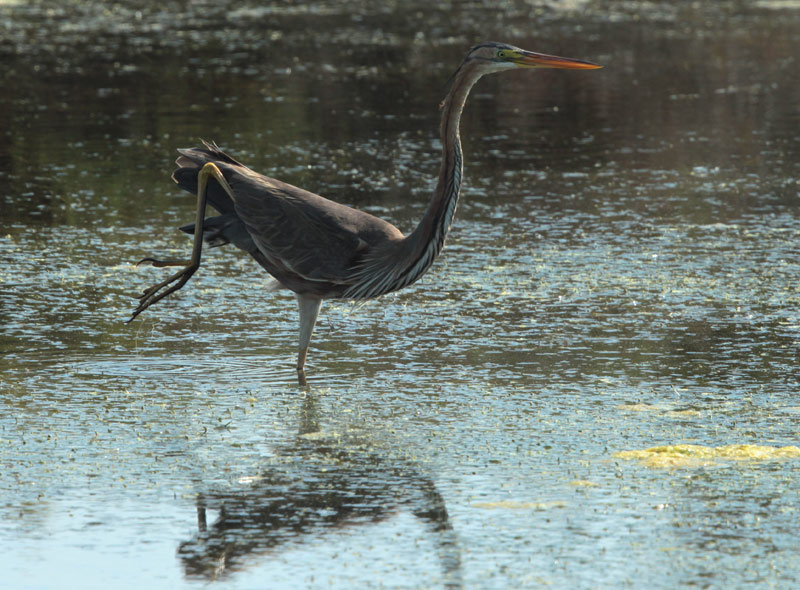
x=495 y=57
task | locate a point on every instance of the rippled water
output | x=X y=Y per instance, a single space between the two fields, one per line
x=622 y=274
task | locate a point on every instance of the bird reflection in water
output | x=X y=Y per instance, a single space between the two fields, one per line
x=319 y=484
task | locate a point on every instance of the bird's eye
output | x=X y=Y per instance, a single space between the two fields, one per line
x=501 y=54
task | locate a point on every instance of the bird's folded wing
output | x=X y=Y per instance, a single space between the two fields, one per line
x=314 y=237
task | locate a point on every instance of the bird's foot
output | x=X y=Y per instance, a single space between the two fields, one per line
x=155 y=293
x=162 y=263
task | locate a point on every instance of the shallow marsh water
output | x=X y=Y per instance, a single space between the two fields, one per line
x=622 y=274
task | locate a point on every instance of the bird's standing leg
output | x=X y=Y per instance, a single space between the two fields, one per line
x=309 y=309
x=152 y=295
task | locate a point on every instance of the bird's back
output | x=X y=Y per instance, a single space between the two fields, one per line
x=309 y=243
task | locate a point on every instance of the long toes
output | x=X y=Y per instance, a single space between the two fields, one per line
x=135 y=313
x=162 y=263
x=149 y=291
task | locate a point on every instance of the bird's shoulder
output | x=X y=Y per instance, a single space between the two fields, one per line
x=267 y=199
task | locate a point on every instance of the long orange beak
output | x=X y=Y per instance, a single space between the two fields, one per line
x=529 y=59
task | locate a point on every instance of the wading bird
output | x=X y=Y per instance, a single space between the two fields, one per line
x=317 y=248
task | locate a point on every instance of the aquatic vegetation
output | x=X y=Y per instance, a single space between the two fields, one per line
x=699 y=456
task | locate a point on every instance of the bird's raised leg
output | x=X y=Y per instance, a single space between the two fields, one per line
x=309 y=309
x=155 y=293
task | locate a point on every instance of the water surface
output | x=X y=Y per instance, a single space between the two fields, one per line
x=622 y=274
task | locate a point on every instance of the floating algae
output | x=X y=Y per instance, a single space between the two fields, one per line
x=583 y=483
x=699 y=456
x=513 y=505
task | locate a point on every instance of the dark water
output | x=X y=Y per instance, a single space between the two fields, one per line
x=622 y=274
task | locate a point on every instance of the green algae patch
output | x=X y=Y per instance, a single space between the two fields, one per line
x=638 y=407
x=582 y=483
x=700 y=456
x=514 y=505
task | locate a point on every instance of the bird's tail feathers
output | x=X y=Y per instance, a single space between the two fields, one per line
x=191 y=160
x=222 y=230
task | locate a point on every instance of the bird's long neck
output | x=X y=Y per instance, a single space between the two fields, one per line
x=430 y=233
x=398 y=266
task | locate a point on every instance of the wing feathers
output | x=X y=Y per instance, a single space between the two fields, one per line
x=298 y=232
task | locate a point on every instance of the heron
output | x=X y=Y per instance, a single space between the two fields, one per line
x=317 y=248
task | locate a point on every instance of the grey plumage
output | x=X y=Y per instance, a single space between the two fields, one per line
x=315 y=247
